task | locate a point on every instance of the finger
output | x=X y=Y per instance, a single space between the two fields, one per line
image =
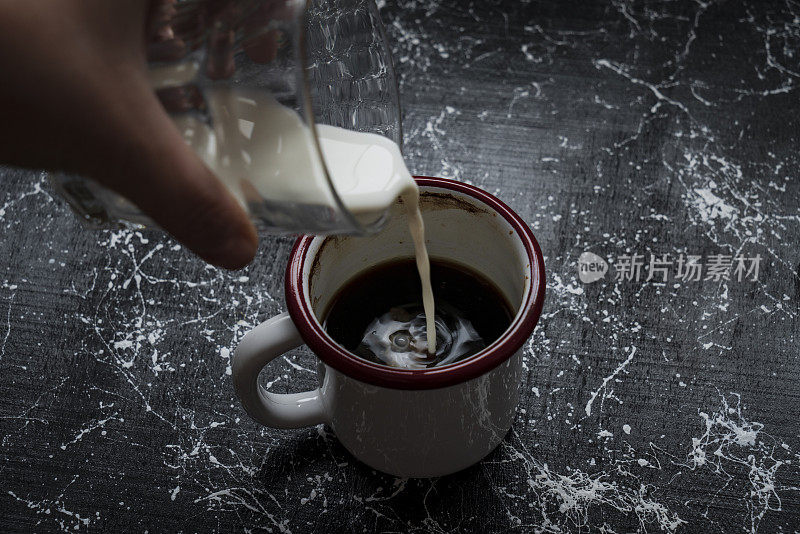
x=220 y=62
x=189 y=202
x=157 y=171
x=221 y=19
x=162 y=43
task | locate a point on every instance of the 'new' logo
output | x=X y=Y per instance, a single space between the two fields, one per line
x=591 y=267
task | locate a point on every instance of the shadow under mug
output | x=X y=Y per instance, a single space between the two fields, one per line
x=405 y=422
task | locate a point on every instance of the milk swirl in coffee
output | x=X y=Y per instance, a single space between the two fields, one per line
x=379 y=317
x=255 y=145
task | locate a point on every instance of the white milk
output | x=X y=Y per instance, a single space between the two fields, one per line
x=410 y=197
x=259 y=146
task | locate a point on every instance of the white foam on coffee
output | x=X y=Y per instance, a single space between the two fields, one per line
x=256 y=143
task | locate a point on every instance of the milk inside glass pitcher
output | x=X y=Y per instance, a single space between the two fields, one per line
x=268 y=159
x=293 y=104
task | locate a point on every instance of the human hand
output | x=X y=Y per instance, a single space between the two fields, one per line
x=76 y=98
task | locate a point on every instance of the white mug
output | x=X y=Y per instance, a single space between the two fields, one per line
x=405 y=422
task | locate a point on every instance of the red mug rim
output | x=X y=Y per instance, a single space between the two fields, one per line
x=495 y=354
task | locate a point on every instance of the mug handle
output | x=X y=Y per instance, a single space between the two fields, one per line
x=257 y=349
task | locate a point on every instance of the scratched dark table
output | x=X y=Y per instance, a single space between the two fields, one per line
x=625 y=129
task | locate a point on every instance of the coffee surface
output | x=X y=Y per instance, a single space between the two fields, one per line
x=379 y=315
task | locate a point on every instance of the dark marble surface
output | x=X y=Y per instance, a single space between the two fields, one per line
x=620 y=128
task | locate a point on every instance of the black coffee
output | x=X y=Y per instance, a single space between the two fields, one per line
x=379 y=316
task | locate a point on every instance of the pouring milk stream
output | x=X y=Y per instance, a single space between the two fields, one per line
x=256 y=143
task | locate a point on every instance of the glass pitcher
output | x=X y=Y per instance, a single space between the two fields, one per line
x=323 y=61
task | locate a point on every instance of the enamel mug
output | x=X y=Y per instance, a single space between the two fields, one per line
x=405 y=422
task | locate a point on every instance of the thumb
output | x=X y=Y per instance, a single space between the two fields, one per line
x=160 y=173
